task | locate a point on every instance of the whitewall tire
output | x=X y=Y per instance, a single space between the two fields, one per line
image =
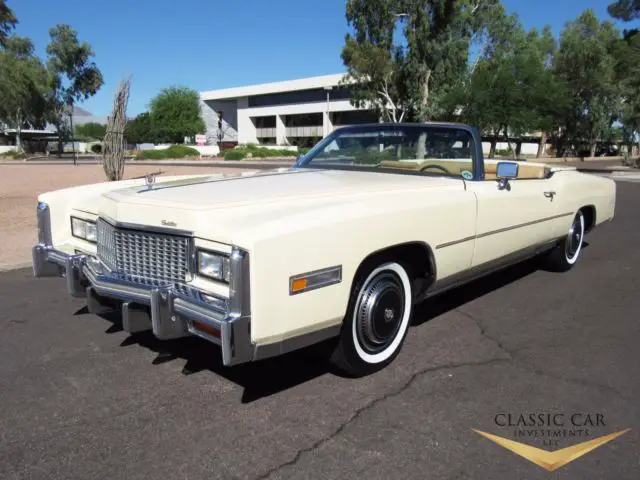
x=377 y=320
x=567 y=253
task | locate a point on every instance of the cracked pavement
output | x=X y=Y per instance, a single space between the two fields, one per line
x=80 y=398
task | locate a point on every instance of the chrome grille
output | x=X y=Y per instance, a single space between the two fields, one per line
x=143 y=257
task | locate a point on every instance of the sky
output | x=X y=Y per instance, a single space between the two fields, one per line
x=211 y=44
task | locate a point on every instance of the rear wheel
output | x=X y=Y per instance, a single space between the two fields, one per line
x=377 y=320
x=566 y=254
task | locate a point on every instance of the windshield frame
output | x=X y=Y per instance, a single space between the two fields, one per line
x=476 y=147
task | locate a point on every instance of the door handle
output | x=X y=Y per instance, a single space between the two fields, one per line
x=550 y=195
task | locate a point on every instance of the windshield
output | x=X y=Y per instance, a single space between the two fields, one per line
x=419 y=148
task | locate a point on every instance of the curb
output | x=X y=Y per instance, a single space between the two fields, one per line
x=15 y=266
x=605 y=170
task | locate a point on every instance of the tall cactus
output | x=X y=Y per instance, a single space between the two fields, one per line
x=113 y=149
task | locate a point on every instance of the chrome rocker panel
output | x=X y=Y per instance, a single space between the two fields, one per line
x=172 y=314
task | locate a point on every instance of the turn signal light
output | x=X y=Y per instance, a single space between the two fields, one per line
x=298 y=285
x=206 y=328
x=316 y=279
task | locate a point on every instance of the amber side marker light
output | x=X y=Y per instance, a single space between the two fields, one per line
x=305 y=282
x=208 y=329
x=298 y=285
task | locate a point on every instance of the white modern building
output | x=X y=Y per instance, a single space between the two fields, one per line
x=294 y=112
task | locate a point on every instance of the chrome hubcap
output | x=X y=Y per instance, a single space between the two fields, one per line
x=574 y=239
x=379 y=312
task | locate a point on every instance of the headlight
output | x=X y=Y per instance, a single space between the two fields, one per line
x=213 y=265
x=84 y=229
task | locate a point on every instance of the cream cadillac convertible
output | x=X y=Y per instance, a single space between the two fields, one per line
x=374 y=219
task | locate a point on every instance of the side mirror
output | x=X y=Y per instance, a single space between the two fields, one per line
x=504 y=172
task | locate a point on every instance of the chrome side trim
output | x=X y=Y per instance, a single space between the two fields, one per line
x=501 y=230
x=485 y=269
x=455 y=242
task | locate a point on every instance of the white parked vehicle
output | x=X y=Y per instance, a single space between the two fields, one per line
x=374 y=219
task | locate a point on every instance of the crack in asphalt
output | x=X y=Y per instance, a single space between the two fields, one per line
x=510 y=356
x=362 y=410
x=516 y=358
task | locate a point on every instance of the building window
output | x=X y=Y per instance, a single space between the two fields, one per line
x=300 y=96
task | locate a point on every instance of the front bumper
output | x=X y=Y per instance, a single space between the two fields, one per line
x=168 y=312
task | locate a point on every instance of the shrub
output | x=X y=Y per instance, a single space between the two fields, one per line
x=505 y=153
x=96 y=148
x=13 y=154
x=174 y=151
x=234 y=154
x=255 y=151
x=180 y=151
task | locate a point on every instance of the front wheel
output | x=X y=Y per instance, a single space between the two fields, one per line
x=565 y=255
x=377 y=320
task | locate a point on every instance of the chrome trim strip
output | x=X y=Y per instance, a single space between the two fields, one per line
x=501 y=230
x=146 y=228
x=456 y=242
x=484 y=269
x=293 y=278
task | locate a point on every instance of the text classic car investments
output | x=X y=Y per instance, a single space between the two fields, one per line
x=374 y=219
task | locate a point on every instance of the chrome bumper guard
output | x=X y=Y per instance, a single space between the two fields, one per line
x=167 y=312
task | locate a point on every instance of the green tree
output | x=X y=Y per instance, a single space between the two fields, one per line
x=92 y=130
x=175 y=114
x=413 y=80
x=8 y=21
x=512 y=90
x=625 y=10
x=23 y=86
x=74 y=75
x=139 y=129
x=627 y=55
x=586 y=62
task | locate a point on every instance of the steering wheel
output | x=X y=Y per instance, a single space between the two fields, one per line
x=437 y=167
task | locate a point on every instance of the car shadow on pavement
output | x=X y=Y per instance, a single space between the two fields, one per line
x=274 y=375
x=258 y=379
x=452 y=299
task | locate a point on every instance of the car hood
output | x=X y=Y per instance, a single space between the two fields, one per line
x=225 y=191
x=224 y=204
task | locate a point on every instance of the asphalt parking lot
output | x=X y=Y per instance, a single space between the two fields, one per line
x=81 y=399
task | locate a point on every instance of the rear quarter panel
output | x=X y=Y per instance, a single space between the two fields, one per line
x=577 y=190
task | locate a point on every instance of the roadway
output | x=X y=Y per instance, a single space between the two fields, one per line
x=82 y=399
